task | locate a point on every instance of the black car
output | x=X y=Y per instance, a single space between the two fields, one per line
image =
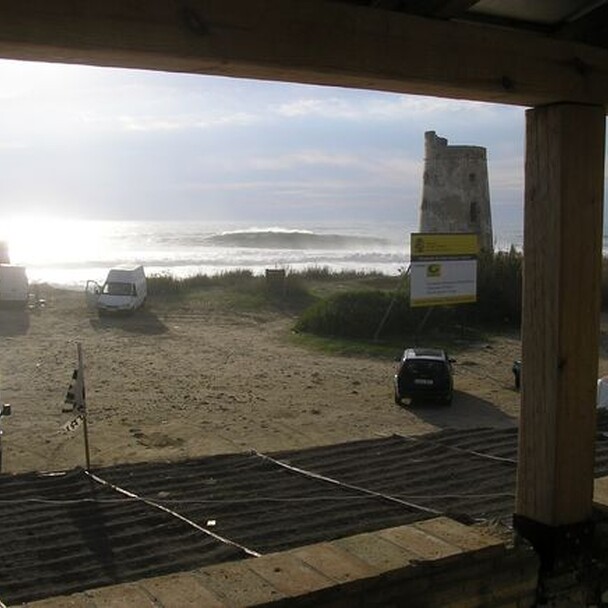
x=424 y=373
x=516 y=369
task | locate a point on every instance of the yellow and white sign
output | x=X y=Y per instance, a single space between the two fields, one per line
x=443 y=269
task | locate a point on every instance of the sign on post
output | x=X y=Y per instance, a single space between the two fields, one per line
x=443 y=268
x=76 y=402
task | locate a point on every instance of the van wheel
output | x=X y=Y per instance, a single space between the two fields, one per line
x=398 y=400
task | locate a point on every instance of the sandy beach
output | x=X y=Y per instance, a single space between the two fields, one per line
x=180 y=379
x=187 y=378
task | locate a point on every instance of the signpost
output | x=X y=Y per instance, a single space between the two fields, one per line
x=443 y=269
x=76 y=400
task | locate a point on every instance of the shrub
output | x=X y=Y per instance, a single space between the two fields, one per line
x=499 y=287
x=361 y=314
x=241 y=287
x=351 y=314
x=163 y=284
x=324 y=273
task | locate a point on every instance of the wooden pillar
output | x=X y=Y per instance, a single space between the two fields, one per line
x=563 y=230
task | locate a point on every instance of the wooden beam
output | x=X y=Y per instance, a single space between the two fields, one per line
x=560 y=329
x=454 y=8
x=592 y=28
x=310 y=41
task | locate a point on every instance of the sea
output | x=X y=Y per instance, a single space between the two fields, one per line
x=68 y=253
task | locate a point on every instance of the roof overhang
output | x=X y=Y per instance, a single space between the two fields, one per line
x=312 y=41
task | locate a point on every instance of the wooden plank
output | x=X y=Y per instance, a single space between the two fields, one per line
x=427 y=546
x=467 y=538
x=334 y=562
x=560 y=328
x=309 y=41
x=289 y=575
x=183 y=590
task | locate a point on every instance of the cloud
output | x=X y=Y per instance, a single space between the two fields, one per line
x=182 y=123
x=507 y=174
x=376 y=170
x=334 y=108
x=12 y=145
x=305 y=158
x=136 y=142
x=362 y=105
x=148 y=123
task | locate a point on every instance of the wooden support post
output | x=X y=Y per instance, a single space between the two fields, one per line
x=560 y=328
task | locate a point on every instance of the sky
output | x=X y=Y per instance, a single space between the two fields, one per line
x=97 y=143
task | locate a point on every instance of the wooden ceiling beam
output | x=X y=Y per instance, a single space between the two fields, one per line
x=309 y=41
x=454 y=8
x=592 y=28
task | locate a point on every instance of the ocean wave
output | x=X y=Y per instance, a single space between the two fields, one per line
x=293 y=239
x=245 y=258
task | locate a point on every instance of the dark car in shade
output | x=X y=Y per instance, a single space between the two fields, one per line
x=516 y=369
x=424 y=374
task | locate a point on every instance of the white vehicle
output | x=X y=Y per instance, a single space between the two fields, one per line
x=14 y=286
x=124 y=291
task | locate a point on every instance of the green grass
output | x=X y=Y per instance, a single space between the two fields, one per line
x=363 y=313
x=453 y=341
x=346 y=347
x=167 y=285
x=321 y=281
x=364 y=306
x=233 y=291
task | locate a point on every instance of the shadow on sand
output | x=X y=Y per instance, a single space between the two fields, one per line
x=142 y=322
x=14 y=321
x=466 y=411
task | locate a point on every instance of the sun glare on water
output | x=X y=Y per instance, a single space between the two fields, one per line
x=40 y=241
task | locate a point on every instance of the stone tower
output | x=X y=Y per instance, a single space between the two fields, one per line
x=455 y=192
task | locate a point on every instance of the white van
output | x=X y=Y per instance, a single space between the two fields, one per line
x=124 y=291
x=14 y=286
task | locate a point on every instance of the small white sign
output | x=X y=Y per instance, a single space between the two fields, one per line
x=443 y=282
x=73 y=424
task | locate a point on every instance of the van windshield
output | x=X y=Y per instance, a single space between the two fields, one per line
x=119 y=289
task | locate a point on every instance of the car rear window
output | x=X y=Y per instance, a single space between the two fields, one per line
x=424 y=366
